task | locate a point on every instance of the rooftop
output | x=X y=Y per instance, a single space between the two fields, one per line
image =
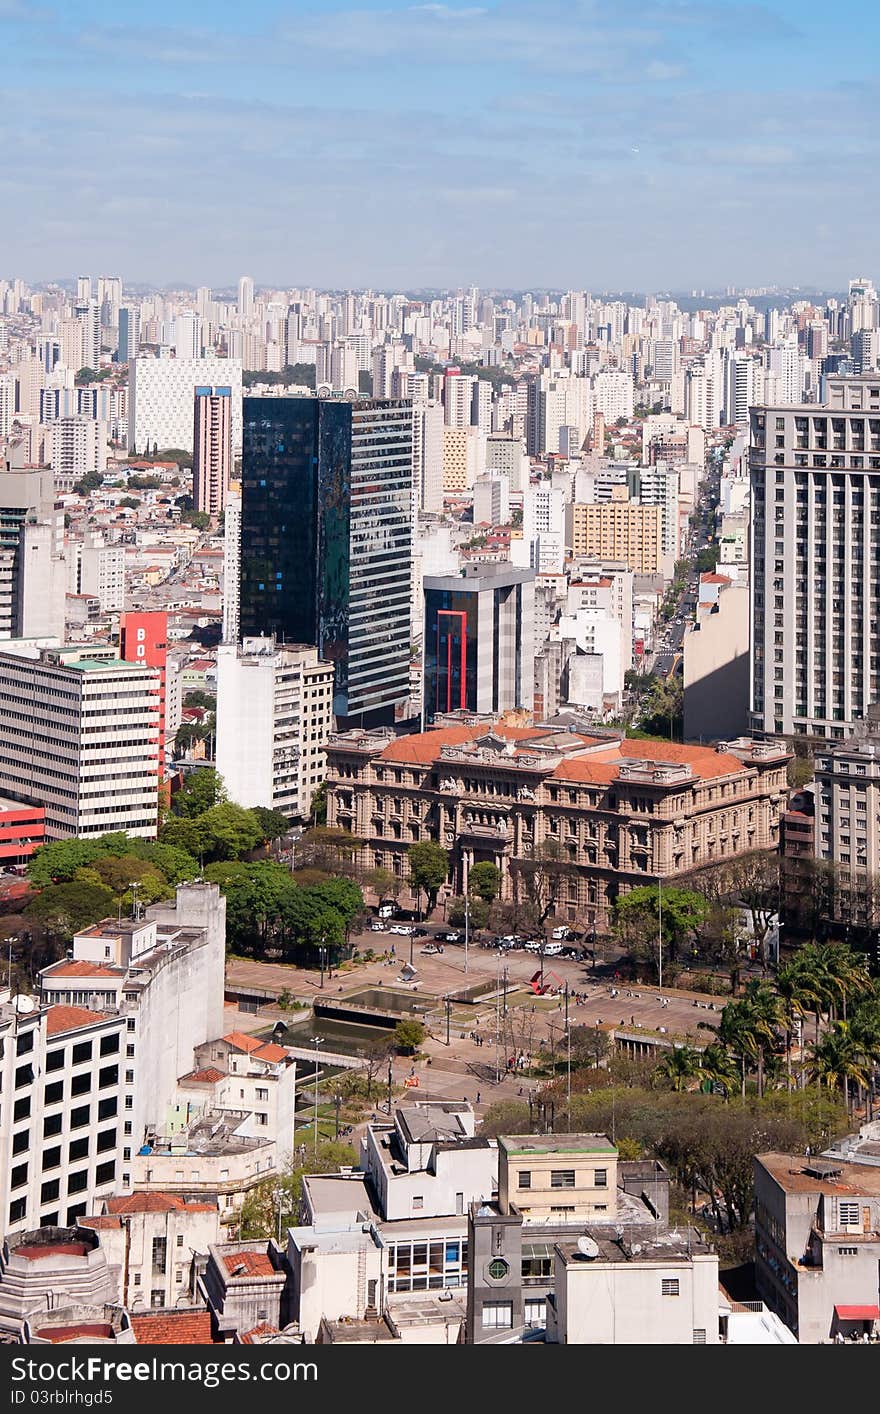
x=556 y=1144
x=173 y=1327
x=645 y=1243
x=157 y=1203
x=250 y=1263
x=72 y=1018
x=842 y=1178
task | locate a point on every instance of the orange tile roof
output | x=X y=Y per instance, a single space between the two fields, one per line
x=602 y=767
x=270 y=1052
x=424 y=747
x=86 y=1331
x=81 y=968
x=209 y=1076
x=256 y=1264
x=71 y=1018
x=173 y=1328
x=259 y=1333
x=241 y=1042
x=156 y=1203
x=103 y=1220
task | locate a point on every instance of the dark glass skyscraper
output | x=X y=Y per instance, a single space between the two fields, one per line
x=326 y=540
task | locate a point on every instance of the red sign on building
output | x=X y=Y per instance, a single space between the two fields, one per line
x=143 y=638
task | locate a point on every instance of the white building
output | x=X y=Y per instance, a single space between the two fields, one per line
x=61 y=1123
x=614 y=394
x=79 y=446
x=33 y=572
x=89 y=750
x=428 y=456
x=160 y=399
x=491 y=500
x=507 y=455
x=274 y=714
x=232 y=568
x=99 y=570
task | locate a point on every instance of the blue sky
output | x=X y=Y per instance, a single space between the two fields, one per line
x=642 y=144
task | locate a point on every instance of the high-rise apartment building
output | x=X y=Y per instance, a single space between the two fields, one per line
x=327 y=488
x=428 y=456
x=617 y=530
x=232 y=568
x=96 y=568
x=274 y=715
x=33 y=580
x=79 y=734
x=212 y=448
x=129 y=334
x=79 y=446
x=815 y=485
x=479 y=640
x=245 y=296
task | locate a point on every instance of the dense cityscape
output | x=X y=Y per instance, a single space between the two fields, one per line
x=439 y=800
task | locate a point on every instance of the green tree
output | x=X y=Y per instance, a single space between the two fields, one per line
x=539 y=877
x=478 y=913
x=310 y=921
x=230 y=830
x=65 y=909
x=89 y=482
x=408 y=1035
x=273 y=823
x=484 y=880
x=841 y=1060
x=318 y=808
x=344 y=896
x=428 y=868
x=637 y=921
x=201 y=790
x=680 y=1066
x=276 y=1204
x=384 y=883
x=58 y=861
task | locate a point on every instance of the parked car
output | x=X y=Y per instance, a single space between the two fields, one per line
x=403 y=930
x=429 y=948
x=560 y=933
x=377 y=927
x=452 y=937
x=532 y=945
x=553 y=949
x=421 y=932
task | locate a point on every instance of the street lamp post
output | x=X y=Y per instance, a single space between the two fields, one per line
x=659 y=934
x=319 y=1041
x=467 y=927
x=321 y=951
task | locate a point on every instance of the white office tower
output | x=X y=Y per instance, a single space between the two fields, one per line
x=91 y=750
x=232 y=567
x=7 y=403
x=784 y=362
x=658 y=485
x=862 y=305
x=129 y=334
x=187 y=335
x=553 y=403
x=865 y=345
x=702 y=404
x=815 y=488
x=666 y=359
x=33 y=577
x=507 y=455
x=491 y=500
x=542 y=547
x=97 y=569
x=160 y=400
x=614 y=394
x=245 y=297
x=740 y=388
x=78 y=446
x=274 y=715
x=88 y=317
x=457 y=399
x=84 y=287
x=481 y=405
x=428 y=456
x=109 y=299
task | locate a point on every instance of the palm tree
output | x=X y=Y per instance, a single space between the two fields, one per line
x=719 y=1066
x=846 y=975
x=840 y=1059
x=765 y=1010
x=737 y=1033
x=798 y=994
x=680 y=1065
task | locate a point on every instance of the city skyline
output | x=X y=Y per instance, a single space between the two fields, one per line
x=504 y=143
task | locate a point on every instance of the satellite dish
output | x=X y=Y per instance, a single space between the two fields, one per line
x=588 y=1248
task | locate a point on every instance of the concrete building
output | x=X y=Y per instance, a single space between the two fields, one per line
x=79 y=734
x=622 y=811
x=33 y=578
x=274 y=714
x=716 y=665
x=507 y=455
x=161 y=977
x=479 y=640
x=154 y=1244
x=817 y=1226
x=815 y=485
x=464 y=455
x=61 y=1137
x=569 y=1178
x=428 y=456
x=78 y=447
x=48 y=1267
x=97 y=569
x=614 y=394
x=143 y=638
x=232 y=568
x=160 y=400
x=618 y=530
x=212 y=447
x=642 y=1288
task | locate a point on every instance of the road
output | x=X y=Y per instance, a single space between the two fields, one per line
x=667 y=654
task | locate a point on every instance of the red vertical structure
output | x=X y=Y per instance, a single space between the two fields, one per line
x=143 y=638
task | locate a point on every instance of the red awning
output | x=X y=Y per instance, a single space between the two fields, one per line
x=857 y=1313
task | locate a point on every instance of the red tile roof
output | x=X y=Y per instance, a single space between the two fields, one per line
x=258 y=1334
x=209 y=1076
x=256 y=1264
x=71 y=1018
x=602 y=767
x=34 y=1251
x=81 y=968
x=86 y=1330
x=156 y=1203
x=270 y=1052
x=241 y=1042
x=103 y=1220
x=173 y=1328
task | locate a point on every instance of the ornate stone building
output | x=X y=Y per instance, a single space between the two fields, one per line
x=619 y=812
